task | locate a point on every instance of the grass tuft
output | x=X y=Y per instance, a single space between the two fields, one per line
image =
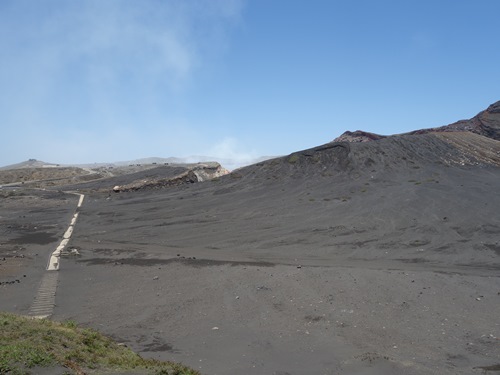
x=26 y=343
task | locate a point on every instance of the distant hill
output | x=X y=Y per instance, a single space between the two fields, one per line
x=227 y=163
x=31 y=163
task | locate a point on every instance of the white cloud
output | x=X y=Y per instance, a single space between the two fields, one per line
x=231 y=154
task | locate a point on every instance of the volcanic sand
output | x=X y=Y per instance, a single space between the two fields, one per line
x=316 y=263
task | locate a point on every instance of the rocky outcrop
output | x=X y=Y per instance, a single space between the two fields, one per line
x=188 y=177
x=209 y=171
x=193 y=173
x=358 y=136
x=485 y=123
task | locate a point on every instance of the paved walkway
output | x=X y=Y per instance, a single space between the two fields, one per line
x=43 y=305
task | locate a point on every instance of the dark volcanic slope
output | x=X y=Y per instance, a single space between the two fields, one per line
x=486 y=123
x=350 y=258
x=426 y=198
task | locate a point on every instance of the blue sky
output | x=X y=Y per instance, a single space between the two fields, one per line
x=94 y=81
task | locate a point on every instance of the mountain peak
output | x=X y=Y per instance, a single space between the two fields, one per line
x=358 y=136
x=30 y=163
x=494 y=108
x=485 y=123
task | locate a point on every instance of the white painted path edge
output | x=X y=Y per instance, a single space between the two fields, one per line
x=43 y=305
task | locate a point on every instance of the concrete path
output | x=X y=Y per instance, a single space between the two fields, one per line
x=43 y=305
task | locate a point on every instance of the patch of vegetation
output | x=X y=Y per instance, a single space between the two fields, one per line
x=236 y=175
x=293 y=159
x=26 y=343
x=417 y=243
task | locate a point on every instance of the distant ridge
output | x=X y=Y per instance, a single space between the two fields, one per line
x=227 y=163
x=485 y=123
x=31 y=163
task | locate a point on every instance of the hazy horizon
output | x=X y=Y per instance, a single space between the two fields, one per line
x=225 y=162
